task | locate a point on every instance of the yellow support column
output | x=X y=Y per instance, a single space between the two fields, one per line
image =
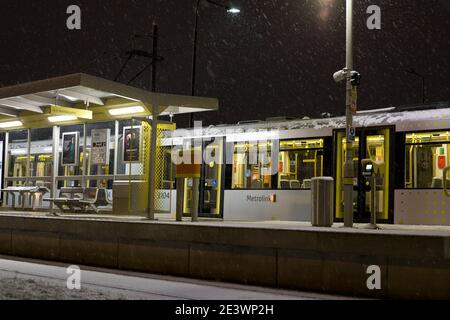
x=152 y=165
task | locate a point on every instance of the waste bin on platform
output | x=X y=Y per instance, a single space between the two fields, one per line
x=322 y=201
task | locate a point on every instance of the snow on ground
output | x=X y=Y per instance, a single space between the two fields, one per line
x=16 y=286
x=32 y=280
x=31 y=289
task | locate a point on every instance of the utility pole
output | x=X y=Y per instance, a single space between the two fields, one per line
x=231 y=10
x=194 y=60
x=154 y=130
x=348 y=165
x=155 y=55
x=141 y=53
x=422 y=77
x=352 y=79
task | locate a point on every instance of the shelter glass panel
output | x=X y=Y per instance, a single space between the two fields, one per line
x=19 y=161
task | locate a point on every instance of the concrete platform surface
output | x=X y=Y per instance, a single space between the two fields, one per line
x=272 y=224
x=413 y=261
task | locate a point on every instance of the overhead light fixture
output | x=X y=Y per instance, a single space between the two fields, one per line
x=126 y=111
x=62 y=118
x=11 y=124
x=72 y=99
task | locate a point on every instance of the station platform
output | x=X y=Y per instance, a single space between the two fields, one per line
x=414 y=260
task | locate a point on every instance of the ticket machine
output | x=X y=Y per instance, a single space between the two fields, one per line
x=369 y=171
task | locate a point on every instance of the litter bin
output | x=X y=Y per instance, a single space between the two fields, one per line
x=322 y=200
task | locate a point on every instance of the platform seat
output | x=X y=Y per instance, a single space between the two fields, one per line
x=96 y=199
x=68 y=198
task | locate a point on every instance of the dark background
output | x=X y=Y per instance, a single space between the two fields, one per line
x=276 y=58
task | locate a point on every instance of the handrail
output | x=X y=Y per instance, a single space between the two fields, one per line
x=77 y=178
x=44 y=178
x=444 y=181
x=100 y=177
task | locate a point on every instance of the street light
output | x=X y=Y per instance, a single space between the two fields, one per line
x=231 y=10
x=352 y=80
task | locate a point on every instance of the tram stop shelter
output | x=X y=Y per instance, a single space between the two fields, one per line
x=79 y=142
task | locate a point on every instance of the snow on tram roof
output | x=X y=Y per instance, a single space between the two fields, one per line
x=367 y=118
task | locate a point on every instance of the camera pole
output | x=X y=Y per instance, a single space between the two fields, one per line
x=348 y=165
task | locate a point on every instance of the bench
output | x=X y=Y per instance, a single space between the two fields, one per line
x=96 y=199
x=30 y=191
x=68 y=198
x=82 y=199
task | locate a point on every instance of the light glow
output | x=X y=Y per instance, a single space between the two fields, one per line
x=73 y=99
x=233 y=10
x=62 y=118
x=126 y=111
x=10 y=124
x=19 y=152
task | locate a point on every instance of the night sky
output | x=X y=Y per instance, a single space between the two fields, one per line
x=276 y=58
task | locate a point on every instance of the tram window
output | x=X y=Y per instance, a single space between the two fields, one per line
x=426 y=155
x=298 y=162
x=252 y=166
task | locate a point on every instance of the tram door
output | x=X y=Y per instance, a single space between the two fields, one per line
x=374 y=144
x=211 y=181
x=189 y=183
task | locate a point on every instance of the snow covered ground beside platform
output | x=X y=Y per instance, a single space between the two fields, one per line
x=14 y=288
x=36 y=280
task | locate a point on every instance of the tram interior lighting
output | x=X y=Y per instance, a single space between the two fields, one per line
x=10 y=124
x=62 y=118
x=126 y=111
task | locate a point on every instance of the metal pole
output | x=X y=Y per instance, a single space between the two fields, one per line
x=195 y=199
x=152 y=166
x=116 y=148
x=154 y=131
x=348 y=165
x=28 y=175
x=422 y=77
x=6 y=170
x=83 y=182
x=423 y=90
x=155 y=55
x=373 y=217
x=194 y=60
x=55 y=158
x=180 y=199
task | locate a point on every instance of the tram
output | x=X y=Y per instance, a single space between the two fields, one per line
x=411 y=146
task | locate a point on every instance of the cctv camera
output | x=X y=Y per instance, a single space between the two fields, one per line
x=340 y=75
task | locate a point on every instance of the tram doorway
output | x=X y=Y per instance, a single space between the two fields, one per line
x=374 y=144
x=210 y=193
